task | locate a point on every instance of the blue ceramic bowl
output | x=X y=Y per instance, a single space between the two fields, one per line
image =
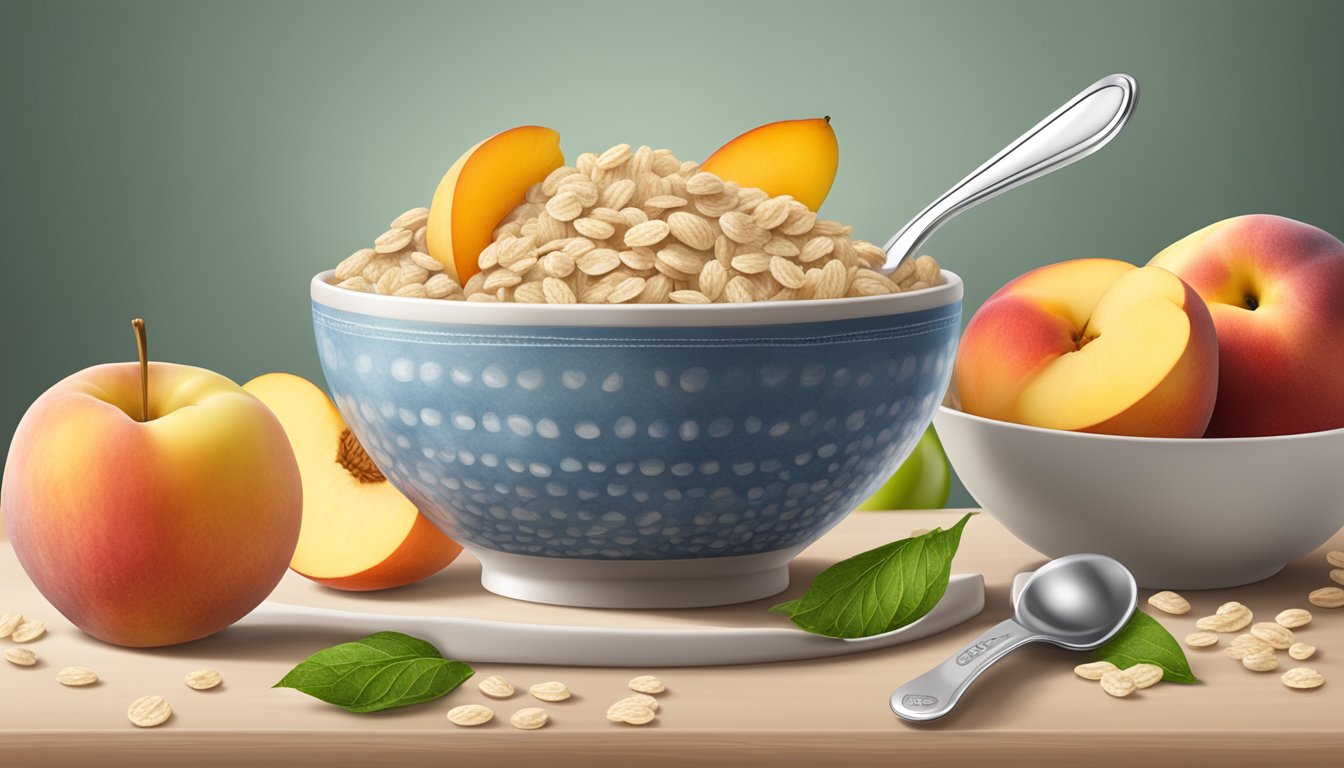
x=637 y=456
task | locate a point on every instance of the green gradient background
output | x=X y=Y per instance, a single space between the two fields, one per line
x=196 y=163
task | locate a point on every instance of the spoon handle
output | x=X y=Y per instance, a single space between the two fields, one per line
x=1082 y=126
x=934 y=693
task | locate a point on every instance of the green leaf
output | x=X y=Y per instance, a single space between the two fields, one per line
x=1145 y=641
x=878 y=590
x=382 y=671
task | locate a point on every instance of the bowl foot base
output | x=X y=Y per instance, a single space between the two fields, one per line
x=1162 y=578
x=689 y=583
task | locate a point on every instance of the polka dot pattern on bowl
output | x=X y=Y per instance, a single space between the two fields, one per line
x=637 y=444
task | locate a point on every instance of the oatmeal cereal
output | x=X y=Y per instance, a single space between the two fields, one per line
x=399 y=264
x=641 y=227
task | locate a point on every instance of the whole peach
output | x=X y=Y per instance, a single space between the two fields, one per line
x=1275 y=289
x=156 y=532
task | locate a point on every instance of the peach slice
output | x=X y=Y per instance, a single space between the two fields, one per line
x=359 y=532
x=481 y=188
x=1093 y=345
x=790 y=157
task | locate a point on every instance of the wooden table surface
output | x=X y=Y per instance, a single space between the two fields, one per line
x=1030 y=710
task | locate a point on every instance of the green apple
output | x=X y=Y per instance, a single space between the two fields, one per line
x=922 y=482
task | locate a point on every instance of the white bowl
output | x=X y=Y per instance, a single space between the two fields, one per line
x=1180 y=514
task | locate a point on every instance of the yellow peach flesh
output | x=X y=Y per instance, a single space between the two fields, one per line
x=790 y=157
x=481 y=188
x=351 y=528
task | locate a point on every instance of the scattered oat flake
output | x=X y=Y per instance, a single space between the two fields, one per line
x=1170 y=602
x=149 y=711
x=1325 y=597
x=1145 y=675
x=9 y=622
x=1093 y=670
x=1118 y=683
x=24 y=657
x=1201 y=639
x=631 y=712
x=1293 y=618
x=551 y=690
x=1261 y=660
x=642 y=698
x=469 y=715
x=1242 y=645
x=203 y=679
x=1303 y=678
x=647 y=684
x=529 y=718
x=496 y=687
x=76 y=676
x=1278 y=637
x=1301 y=651
x=28 y=631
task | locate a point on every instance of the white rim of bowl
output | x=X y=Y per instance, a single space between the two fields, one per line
x=632 y=315
x=1150 y=440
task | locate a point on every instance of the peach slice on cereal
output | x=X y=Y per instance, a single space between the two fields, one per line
x=790 y=157
x=481 y=188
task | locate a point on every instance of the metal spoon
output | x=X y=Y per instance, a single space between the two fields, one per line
x=1076 y=602
x=1082 y=126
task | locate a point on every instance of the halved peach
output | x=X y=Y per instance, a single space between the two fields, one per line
x=789 y=157
x=481 y=188
x=359 y=532
x=1093 y=345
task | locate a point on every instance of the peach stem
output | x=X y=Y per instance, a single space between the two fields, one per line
x=143 y=345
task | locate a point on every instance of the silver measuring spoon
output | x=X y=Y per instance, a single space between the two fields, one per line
x=1082 y=126
x=1076 y=602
